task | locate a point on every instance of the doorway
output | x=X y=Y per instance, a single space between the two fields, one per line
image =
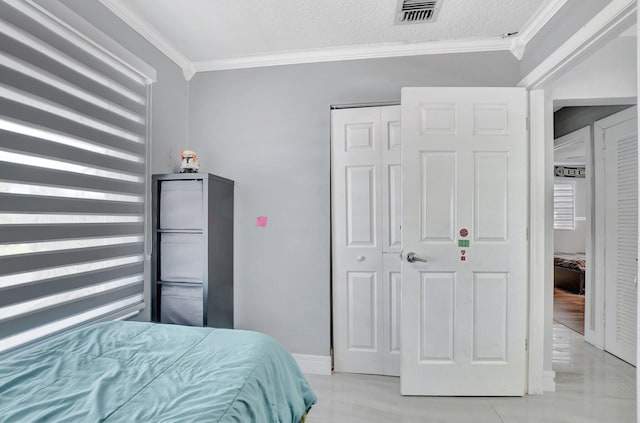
x=595 y=224
x=570 y=203
x=602 y=73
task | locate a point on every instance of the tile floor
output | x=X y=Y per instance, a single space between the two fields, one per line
x=591 y=386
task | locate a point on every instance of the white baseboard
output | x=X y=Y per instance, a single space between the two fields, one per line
x=314 y=364
x=549 y=381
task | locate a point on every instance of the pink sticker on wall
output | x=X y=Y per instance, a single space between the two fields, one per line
x=261 y=221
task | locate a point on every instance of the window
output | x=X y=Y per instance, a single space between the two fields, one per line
x=564 y=197
x=73 y=177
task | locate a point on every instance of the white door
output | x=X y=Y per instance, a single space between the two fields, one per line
x=365 y=192
x=620 y=136
x=464 y=310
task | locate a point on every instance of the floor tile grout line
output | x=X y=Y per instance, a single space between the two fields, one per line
x=495 y=411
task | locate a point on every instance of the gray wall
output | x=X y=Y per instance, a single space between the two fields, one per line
x=170 y=94
x=569 y=19
x=268 y=129
x=569 y=119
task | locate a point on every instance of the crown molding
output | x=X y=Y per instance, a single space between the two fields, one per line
x=150 y=33
x=515 y=45
x=612 y=20
x=517 y=48
x=369 y=51
x=534 y=25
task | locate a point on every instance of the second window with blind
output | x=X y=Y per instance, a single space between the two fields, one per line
x=564 y=209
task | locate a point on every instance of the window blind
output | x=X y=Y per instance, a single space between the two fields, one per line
x=564 y=195
x=73 y=178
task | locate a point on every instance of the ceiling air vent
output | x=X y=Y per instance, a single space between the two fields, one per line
x=416 y=11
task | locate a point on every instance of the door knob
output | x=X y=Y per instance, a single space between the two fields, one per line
x=360 y=258
x=412 y=258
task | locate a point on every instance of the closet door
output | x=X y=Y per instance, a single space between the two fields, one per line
x=365 y=188
x=392 y=238
x=621 y=232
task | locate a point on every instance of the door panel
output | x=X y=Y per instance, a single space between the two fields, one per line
x=438 y=194
x=490 y=305
x=394 y=215
x=366 y=213
x=391 y=209
x=464 y=211
x=360 y=137
x=392 y=119
x=395 y=285
x=437 y=314
x=438 y=119
x=490 y=119
x=391 y=315
x=392 y=175
x=491 y=195
x=360 y=186
x=363 y=311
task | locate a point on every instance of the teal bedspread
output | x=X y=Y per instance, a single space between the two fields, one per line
x=146 y=372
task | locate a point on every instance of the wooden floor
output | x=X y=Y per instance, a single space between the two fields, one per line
x=568 y=309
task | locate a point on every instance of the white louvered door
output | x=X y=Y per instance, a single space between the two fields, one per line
x=365 y=192
x=621 y=233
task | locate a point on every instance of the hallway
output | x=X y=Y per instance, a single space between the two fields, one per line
x=591 y=387
x=568 y=309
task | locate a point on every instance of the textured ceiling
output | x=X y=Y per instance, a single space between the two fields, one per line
x=216 y=29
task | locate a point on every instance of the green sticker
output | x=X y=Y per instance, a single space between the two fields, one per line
x=463 y=243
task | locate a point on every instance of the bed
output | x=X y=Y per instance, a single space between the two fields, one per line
x=569 y=269
x=147 y=372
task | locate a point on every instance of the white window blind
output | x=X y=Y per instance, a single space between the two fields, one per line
x=73 y=177
x=564 y=210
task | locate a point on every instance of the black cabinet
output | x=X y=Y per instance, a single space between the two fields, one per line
x=192 y=264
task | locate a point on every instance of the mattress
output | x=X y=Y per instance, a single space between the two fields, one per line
x=571 y=261
x=146 y=372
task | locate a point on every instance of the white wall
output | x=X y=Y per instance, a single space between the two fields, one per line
x=607 y=74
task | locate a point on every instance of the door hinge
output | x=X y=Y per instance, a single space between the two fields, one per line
x=526 y=344
x=527 y=234
x=527 y=122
